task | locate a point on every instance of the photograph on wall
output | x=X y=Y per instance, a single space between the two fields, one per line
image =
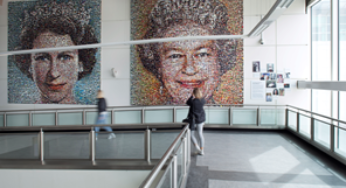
x=166 y=73
x=275 y=92
x=287 y=73
x=271 y=84
x=281 y=92
x=264 y=76
x=57 y=77
x=269 y=97
x=256 y=66
x=287 y=86
x=272 y=76
x=270 y=67
x=280 y=78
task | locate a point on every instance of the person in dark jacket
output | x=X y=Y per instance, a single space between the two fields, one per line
x=102 y=114
x=196 y=103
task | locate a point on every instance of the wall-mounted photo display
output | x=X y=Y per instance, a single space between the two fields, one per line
x=269 y=97
x=281 y=92
x=271 y=84
x=56 y=77
x=287 y=85
x=265 y=76
x=280 y=78
x=256 y=66
x=287 y=73
x=273 y=76
x=164 y=74
x=270 y=67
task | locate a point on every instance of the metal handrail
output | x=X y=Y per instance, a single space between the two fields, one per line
x=149 y=180
x=314 y=113
x=134 y=106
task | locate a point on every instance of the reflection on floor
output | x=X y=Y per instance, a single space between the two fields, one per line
x=248 y=159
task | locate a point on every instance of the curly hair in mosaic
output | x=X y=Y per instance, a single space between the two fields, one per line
x=62 y=19
x=210 y=14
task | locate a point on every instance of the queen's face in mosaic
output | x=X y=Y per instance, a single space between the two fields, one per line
x=183 y=65
x=189 y=64
x=55 y=73
x=57 y=24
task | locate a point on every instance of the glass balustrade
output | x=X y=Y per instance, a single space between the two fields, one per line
x=160 y=141
x=91 y=118
x=244 y=117
x=70 y=118
x=43 y=119
x=128 y=117
x=340 y=141
x=17 y=120
x=305 y=125
x=1 y=120
x=322 y=133
x=126 y=145
x=292 y=120
x=66 y=145
x=166 y=181
x=19 y=146
x=218 y=116
x=158 y=116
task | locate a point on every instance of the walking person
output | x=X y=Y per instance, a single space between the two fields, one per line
x=196 y=111
x=102 y=115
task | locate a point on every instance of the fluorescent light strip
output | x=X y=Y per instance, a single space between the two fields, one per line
x=275 y=11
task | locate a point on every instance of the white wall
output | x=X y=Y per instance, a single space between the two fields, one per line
x=20 y=178
x=286 y=45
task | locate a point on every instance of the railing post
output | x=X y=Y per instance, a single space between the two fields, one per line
x=92 y=144
x=174 y=115
x=230 y=116
x=184 y=149
x=147 y=145
x=143 y=116
x=298 y=126
x=30 y=120
x=188 y=135
x=175 y=171
x=312 y=128
x=83 y=120
x=332 y=138
x=56 y=118
x=258 y=116
x=5 y=119
x=286 y=118
x=41 y=145
x=112 y=116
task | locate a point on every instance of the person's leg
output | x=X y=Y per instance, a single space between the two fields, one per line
x=200 y=135
x=194 y=140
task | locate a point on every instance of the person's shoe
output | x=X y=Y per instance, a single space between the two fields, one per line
x=201 y=152
x=111 y=136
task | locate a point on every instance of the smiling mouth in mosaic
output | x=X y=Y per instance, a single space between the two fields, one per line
x=191 y=83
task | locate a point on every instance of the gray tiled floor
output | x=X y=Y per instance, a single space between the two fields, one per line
x=263 y=159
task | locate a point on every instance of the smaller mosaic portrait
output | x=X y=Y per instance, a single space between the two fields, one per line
x=55 y=77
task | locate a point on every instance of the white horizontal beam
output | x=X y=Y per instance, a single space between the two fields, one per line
x=322 y=85
x=99 y=45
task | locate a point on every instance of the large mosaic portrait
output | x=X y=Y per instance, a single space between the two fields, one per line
x=166 y=73
x=59 y=77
